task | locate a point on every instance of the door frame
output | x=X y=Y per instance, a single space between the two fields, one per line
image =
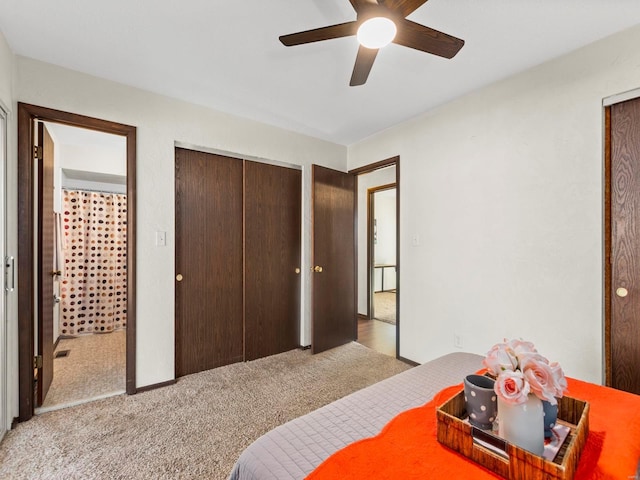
x=7 y=268
x=606 y=257
x=27 y=114
x=392 y=161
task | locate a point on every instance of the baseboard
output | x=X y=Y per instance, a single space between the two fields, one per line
x=156 y=385
x=305 y=347
x=362 y=317
x=407 y=361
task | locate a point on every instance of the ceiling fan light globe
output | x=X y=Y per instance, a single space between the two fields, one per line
x=376 y=32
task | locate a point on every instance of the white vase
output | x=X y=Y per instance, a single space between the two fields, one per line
x=522 y=425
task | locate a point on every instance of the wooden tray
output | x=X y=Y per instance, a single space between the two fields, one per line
x=519 y=464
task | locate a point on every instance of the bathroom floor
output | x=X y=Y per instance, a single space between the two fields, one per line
x=87 y=368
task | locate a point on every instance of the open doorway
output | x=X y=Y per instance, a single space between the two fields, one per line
x=38 y=272
x=89 y=273
x=381 y=241
x=378 y=256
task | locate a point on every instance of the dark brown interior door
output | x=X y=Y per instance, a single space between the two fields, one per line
x=333 y=276
x=46 y=273
x=209 y=263
x=625 y=246
x=272 y=259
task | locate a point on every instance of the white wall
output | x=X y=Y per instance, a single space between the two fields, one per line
x=504 y=188
x=162 y=122
x=384 y=176
x=6 y=72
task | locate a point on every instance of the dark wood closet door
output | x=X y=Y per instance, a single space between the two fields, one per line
x=208 y=316
x=333 y=279
x=46 y=274
x=625 y=246
x=272 y=259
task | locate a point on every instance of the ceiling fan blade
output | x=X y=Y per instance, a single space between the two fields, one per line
x=405 y=7
x=358 y=5
x=414 y=35
x=319 y=34
x=364 y=62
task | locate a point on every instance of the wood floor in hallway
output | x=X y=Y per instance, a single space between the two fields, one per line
x=378 y=336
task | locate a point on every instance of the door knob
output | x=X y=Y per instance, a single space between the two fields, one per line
x=54 y=273
x=297 y=270
x=622 y=292
x=317 y=269
x=179 y=277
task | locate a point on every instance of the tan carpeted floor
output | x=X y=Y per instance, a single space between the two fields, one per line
x=94 y=368
x=196 y=428
x=384 y=307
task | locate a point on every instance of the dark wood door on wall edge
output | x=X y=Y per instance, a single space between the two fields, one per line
x=622 y=245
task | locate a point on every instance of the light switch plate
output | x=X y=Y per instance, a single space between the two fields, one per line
x=161 y=239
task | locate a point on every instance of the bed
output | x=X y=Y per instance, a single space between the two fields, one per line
x=295 y=449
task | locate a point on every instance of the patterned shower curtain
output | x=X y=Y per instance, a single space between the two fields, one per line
x=93 y=291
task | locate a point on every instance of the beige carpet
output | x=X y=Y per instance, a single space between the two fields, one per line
x=384 y=307
x=196 y=428
x=93 y=368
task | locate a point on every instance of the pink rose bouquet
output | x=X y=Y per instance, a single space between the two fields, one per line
x=521 y=370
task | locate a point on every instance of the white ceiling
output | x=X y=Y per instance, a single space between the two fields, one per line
x=226 y=55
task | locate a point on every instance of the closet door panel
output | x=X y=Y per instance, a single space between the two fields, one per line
x=625 y=246
x=209 y=263
x=272 y=255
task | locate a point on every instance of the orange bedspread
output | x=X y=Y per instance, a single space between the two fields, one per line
x=407 y=447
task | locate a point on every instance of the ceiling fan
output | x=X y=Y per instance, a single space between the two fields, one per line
x=378 y=23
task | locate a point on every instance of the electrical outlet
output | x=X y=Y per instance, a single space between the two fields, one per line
x=457 y=340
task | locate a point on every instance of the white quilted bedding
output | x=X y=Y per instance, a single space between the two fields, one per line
x=295 y=449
